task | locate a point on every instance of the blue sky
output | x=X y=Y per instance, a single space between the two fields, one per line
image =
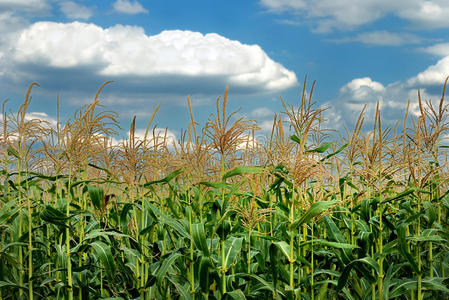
x=359 y=52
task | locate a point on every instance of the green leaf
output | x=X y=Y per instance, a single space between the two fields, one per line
x=103 y=233
x=233 y=247
x=243 y=170
x=335 y=153
x=199 y=238
x=295 y=139
x=13 y=152
x=285 y=249
x=403 y=249
x=321 y=149
x=430 y=211
x=347 y=270
x=184 y=290
x=332 y=244
x=428 y=235
x=177 y=226
x=103 y=252
x=96 y=196
x=53 y=216
x=166 y=264
x=102 y=169
x=215 y=185
x=203 y=273
x=8 y=211
x=266 y=285
x=434 y=284
x=236 y=295
x=274 y=265
x=335 y=235
x=166 y=179
x=316 y=209
x=323 y=290
x=402 y=195
x=9 y=284
x=172 y=175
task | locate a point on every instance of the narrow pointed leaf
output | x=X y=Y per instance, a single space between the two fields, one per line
x=166 y=264
x=236 y=295
x=103 y=253
x=321 y=149
x=316 y=209
x=285 y=249
x=199 y=238
x=233 y=247
x=402 y=247
x=97 y=196
x=243 y=170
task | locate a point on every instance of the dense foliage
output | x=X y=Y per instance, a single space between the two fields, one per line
x=219 y=214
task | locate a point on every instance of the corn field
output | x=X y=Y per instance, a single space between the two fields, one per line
x=221 y=214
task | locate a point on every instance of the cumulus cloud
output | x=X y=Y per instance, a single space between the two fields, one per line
x=129 y=7
x=382 y=38
x=72 y=10
x=165 y=59
x=433 y=75
x=344 y=110
x=328 y=15
x=360 y=88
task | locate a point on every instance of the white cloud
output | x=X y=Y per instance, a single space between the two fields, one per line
x=284 y=5
x=353 y=96
x=429 y=14
x=128 y=51
x=382 y=38
x=72 y=10
x=441 y=49
x=266 y=125
x=433 y=75
x=360 y=88
x=129 y=7
x=41 y=116
x=36 y=6
x=349 y=14
x=392 y=98
x=249 y=143
x=261 y=112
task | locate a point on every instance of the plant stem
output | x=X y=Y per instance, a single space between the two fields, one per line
x=192 y=273
x=292 y=236
x=67 y=232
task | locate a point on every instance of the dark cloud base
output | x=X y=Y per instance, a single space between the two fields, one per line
x=88 y=79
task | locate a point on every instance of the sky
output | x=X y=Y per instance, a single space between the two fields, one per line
x=358 y=52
